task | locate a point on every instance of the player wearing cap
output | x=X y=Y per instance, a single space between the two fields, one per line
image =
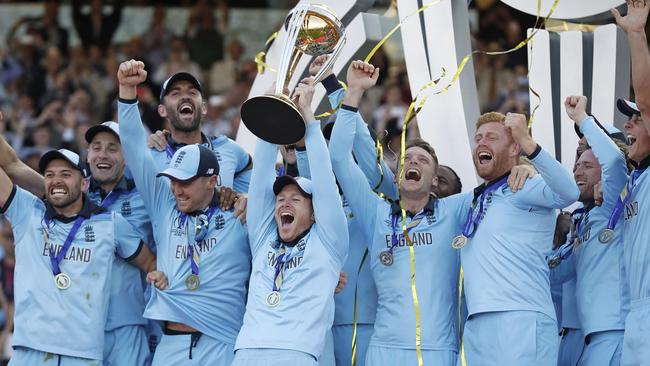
x=431 y=224
x=636 y=214
x=299 y=242
x=65 y=247
x=182 y=104
x=357 y=266
x=125 y=340
x=511 y=319
x=595 y=244
x=201 y=247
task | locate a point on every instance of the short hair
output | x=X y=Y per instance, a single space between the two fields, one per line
x=490 y=117
x=459 y=184
x=418 y=142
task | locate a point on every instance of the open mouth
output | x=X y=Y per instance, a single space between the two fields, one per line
x=413 y=174
x=104 y=166
x=631 y=139
x=286 y=218
x=484 y=157
x=58 y=192
x=186 y=108
x=581 y=183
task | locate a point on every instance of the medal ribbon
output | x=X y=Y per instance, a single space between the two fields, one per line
x=201 y=230
x=412 y=225
x=623 y=199
x=279 y=268
x=112 y=197
x=472 y=221
x=56 y=259
x=577 y=215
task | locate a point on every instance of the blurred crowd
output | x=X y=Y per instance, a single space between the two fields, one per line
x=52 y=92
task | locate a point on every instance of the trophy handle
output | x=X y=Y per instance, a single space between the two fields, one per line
x=329 y=64
x=290 y=55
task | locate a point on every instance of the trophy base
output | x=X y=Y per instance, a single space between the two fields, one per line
x=274 y=119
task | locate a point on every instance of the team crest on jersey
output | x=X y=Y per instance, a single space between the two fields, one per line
x=177 y=224
x=216 y=153
x=301 y=245
x=90 y=233
x=126 y=208
x=219 y=222
x=431 y=218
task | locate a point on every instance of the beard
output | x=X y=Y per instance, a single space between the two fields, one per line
x=73 y=196
x=175 y=120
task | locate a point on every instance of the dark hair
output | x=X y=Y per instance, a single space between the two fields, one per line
x=458 y=183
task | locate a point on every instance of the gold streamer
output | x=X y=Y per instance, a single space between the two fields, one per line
x=395 y=28
x=460 y=332
x=412 y=111
x=354 y=324
x=260 y=58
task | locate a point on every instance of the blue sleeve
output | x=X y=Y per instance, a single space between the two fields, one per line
x=242 y=181
x=154 y=191
x=234 y=160
x=302 y=161
x=364 y=149
x=363 y=201
x=611 y=159
x=557 y=190
x=127 y=238
x=365 y=153
x=328 y=208
x=261 y=199
x=19 y=206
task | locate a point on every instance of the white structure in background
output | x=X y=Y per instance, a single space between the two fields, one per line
x=562 y=64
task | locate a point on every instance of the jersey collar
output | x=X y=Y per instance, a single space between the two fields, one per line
x=395 y=208
x=177 y=145
x=123 y=185
x=643 y=164
x=480 y=189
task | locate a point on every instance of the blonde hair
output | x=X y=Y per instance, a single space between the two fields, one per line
x=490 y=117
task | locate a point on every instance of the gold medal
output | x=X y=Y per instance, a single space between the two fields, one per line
x=192 y=282
x=273 y=299
x=386 y=258
x=62 y=281
x=459 y=242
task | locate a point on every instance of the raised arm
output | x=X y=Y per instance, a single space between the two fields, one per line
x=634 y=25
x=363 y=147
x=610 y=157
x=19 y=172
x=328 y=209
x=261 y=199
x=356 y=188
x=558 y=190
x=134 y=141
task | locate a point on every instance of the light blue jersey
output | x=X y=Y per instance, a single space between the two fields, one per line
x=636 y=232
x=217 y=307
x=504 y=261
x=601 y=294
x=363 y=147
x=67 y=322
x=127 y=289
x=306 y=308
x=233 y=160
x=436 y=262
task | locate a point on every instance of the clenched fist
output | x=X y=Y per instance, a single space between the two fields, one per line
x=518 y=126
x=576 y=108
x=129 y=75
